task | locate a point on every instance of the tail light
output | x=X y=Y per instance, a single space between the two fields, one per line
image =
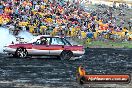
x=83 y=48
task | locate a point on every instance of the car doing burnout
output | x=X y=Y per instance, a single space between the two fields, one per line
x=44 y=45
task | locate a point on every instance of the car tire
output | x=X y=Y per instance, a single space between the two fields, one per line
x=66 y=55
x=21 y=53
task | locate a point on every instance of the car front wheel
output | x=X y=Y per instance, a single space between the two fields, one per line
x=21 y=52
x=66 y=55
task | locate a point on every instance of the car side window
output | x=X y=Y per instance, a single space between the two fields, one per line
x=48 y=41
x=43 y=41
x=38 y=42
x=57 y=41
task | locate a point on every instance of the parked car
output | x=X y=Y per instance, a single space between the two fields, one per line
x=45 y=45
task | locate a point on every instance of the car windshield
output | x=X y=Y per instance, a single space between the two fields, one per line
x=71 y=41
x=66 y=41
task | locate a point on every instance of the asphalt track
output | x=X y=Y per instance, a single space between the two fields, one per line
x=52 y=72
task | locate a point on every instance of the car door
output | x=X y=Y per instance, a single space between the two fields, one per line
x=40 y=49
x=56 y=46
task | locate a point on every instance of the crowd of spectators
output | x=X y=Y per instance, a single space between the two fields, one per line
x=59 y=17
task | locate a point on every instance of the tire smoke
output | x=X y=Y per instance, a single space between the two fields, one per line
x=6 y=37
x=26 y=35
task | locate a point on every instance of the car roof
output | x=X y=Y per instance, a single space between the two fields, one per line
x=39 y=36
x=48 y=36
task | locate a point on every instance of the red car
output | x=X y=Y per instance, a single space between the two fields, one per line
x=45 y=45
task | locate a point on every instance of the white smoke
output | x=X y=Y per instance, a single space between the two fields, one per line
x=5 y=38
x=26 y=35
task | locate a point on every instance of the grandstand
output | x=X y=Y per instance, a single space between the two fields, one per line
x=110 y=2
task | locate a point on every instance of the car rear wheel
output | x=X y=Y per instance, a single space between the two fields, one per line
x=66 y=55
x=21 y=53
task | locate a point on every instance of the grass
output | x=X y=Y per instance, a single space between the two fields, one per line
x=104 y=44
x=109 y=44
